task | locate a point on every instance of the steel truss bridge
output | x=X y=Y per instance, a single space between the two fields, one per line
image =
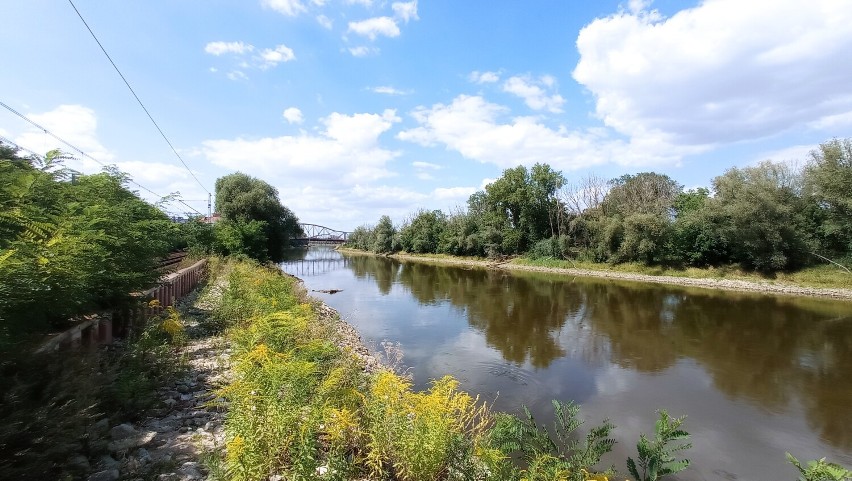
x=318 y=234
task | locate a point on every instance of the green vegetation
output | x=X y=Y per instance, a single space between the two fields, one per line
x=767 y=219
x=50 y=405
x=70 y=244
x=254 y=223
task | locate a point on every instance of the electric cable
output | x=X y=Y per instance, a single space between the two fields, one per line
x=84 y=154
x=136 y=96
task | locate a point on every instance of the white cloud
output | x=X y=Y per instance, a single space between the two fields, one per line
x=373 y=27
x=271 y=57
x=366 y=3
x=405 y=10
x=387 y=90
x=477 y=130
x=426 y=165
x=638 y=6
x=293 y=115
x=721 y=72
x=76 y=125
x=325 y=22
x=363 y=51
x=534 y=92
x=792 y=155
x=237 y=75
x=347 y=151
x=220 y=48
x=483 y=77
x=291 y=8
x=453 y=193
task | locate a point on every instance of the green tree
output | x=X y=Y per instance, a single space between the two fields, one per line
x=761 y=212
x=68 y=248
x=242 y=198
x=828 y=182
x=385 y=239
x=423 y=233
x=522 y=204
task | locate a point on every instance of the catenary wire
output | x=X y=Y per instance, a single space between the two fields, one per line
x=84 y=154
x=136 y=96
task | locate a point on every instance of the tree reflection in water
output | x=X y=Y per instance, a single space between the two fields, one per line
x=767 y=350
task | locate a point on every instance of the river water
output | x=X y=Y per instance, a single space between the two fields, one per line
x=756 y=375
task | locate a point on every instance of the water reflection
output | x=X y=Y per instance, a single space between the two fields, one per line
x=780 y=355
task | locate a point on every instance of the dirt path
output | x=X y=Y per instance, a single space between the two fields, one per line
x=726 y=284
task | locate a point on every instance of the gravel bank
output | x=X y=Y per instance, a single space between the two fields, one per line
x=725 y=284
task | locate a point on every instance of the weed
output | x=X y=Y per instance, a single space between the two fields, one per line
x=657 y=457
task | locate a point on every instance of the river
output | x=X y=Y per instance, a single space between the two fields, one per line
x=756 y=375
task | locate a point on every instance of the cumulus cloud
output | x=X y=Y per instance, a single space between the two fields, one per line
x=271 y=57
x=478 y=77
x=291 y=8
x=363 y=51
x=325 y=22
x=535 y=92
x=293 y=115
x=721 y=72
x=387 y=90
x=405 y=11
x=75 y=124
x=347 y=151
x=480 y=130
x=220 y=48
x=373 y=27
x=237 y=75
x=426 y=165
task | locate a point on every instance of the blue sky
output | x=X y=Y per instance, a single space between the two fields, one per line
x=358 y=108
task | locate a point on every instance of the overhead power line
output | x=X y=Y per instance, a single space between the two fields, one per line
x=78 y=150
x=136 y=96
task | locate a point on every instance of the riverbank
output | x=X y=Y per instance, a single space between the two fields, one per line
x=730 y=282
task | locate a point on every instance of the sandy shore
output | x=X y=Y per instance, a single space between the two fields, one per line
x=767 y=287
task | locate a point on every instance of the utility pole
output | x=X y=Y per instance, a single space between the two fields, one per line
x=209 y=207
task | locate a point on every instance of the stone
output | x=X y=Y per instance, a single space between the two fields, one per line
x=130 y=442
x=143 y=456
x=106 y=475
x=107 y=462
x=79 y=463
x=189 y=471
x=122 y=431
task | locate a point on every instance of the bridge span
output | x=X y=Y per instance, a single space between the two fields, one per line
x=318 y=234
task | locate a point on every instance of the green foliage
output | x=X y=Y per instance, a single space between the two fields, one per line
x=560 y=454
x=657 y=458
x=385 y=238
x=423 y=233
x=767 y=218
x=828 y=177
x=253 y=204
x=820 y=470
x=70 y=247
x=761 y=213
x=643 y=193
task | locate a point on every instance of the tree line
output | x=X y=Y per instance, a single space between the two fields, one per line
x=768 y=217
x=73 y=244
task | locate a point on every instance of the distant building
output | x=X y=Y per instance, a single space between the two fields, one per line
x=216 y=217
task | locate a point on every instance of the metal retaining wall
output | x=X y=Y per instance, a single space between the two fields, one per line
x=102 y=327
